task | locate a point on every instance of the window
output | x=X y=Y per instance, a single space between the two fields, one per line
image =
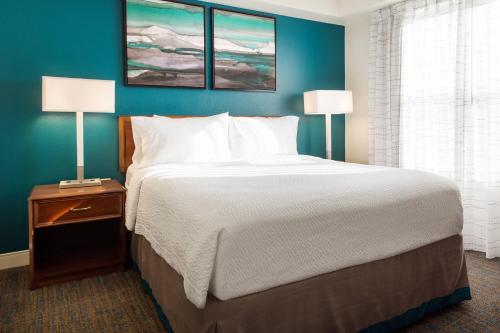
x=450 y=93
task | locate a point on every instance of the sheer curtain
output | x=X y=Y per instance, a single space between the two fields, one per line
x=447 y=114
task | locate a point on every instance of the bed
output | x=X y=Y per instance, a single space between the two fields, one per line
x=293 y=244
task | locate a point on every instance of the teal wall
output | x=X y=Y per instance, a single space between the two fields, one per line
x=84 y=39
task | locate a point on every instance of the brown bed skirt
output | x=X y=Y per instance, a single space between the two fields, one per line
x=347 y=300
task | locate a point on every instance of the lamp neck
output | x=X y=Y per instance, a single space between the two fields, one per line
x=328 y=136
x=79 y=146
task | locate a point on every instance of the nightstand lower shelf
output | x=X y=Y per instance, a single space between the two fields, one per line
x=77 y=263
x=73 y=251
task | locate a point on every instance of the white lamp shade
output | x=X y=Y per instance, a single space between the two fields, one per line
x=61 y=94
x=328 y=102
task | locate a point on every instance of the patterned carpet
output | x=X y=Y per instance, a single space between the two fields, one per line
x=117 y=303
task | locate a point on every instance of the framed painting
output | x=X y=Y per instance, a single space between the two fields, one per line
x=243 y=51
x=164 y=44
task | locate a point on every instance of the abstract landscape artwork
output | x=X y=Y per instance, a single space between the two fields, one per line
x=165 y=44
x=244 y=51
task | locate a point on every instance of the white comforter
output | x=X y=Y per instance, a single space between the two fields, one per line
x=240 y=228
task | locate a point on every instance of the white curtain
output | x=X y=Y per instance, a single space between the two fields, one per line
x=435 y=101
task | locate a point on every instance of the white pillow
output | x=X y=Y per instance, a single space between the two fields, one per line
x=256 y=137
x=137 y=130
x=184 y=140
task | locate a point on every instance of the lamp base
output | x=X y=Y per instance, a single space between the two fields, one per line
x=77 y=183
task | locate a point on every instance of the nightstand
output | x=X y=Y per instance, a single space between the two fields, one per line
x=76 y=232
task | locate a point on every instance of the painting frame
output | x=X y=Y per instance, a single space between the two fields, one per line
x=126 y=57
x=212 y=15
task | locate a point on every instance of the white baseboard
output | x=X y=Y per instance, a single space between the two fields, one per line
x=14 y=259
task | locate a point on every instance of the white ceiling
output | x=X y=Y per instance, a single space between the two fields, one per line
x=353 y=7
x=317 y=10
x=329 y=11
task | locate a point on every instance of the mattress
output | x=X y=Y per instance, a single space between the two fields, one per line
x=233 y=229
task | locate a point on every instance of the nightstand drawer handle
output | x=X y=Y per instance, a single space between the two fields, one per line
x=80 y=209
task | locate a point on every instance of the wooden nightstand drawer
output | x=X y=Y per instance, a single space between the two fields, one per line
x=77 y=209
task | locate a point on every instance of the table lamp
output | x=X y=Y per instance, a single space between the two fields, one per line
x=328 y=102
x=61 y=94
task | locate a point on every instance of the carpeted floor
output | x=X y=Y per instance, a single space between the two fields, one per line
x=117 y=303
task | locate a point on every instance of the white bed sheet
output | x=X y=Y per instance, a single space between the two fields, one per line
x=242 y=227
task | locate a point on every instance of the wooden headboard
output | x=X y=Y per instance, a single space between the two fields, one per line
x=126 y=144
